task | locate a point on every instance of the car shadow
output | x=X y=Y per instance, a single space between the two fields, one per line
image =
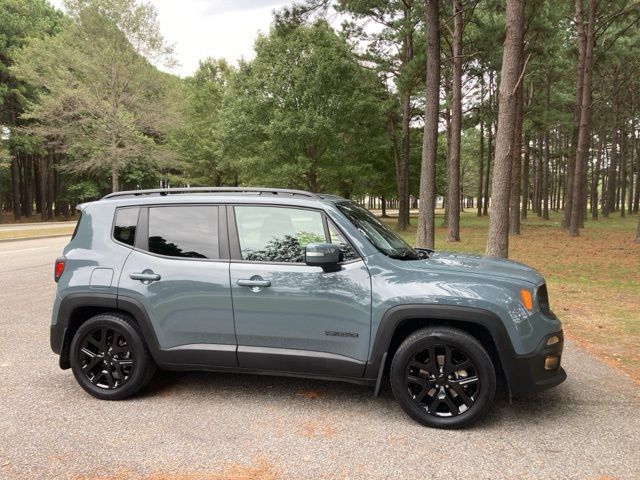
x=542 y=407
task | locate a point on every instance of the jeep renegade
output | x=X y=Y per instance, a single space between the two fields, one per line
x=287 y=282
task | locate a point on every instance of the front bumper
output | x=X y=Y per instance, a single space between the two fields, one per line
x=531 y=375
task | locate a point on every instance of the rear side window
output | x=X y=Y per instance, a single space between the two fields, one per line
x=189 y=231
x=75 y=230
x=124 y=227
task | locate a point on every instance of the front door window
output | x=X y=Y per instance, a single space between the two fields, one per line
x=274 y=234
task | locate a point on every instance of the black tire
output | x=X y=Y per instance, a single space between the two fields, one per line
x=110 y=358
x=452 y=392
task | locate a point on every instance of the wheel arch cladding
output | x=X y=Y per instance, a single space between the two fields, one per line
x=75 y=309
x=400 y=321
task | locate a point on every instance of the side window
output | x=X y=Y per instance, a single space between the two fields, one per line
x=75 y=230
x=124 y=228
x=346 y=250
x=189 y=231
x=274 y=234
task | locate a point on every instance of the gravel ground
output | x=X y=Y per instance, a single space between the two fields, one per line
x=214 y=426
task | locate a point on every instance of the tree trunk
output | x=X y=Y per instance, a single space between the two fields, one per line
x=630 y=165
x=525 y=180
x=481 y=166
x=545 y=176
x=403 y=170
x=403 y=166
x=636 y=198
x=498 y=235
x=115 y=180
x=539 y=175
x=514 y=201
x=596 y=178
x=447 y=121
x=535 y=170
x=623 y=169
x=51 y=188
x=426 y=222
x=37 y=187
x=485 y=203
x=581 y=41
x=42 y=184
x=585 y=125
x=487 y=176
x=610 y=198
x=15 y=187
x=26 y=184
x=453 y=167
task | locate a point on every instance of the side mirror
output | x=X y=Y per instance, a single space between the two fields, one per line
x=325 y=255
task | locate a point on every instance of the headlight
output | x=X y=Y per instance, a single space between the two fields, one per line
x=543 y=301
x=527 y=299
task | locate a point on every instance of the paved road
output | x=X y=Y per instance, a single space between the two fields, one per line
x=200 y=425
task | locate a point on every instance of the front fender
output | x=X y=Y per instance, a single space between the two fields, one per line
x=396 y=316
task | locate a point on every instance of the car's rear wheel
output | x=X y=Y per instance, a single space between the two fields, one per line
x=443 y=377
x=110 y=358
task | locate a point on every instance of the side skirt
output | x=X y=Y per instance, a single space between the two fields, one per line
x=275 y=373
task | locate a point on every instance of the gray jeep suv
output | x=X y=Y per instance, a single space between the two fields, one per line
x=286 y=282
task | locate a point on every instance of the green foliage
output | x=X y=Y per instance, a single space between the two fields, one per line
x=82 y=191
x=200 y=143
x=99 y=97
x=317 y=108
x=21 y=21
x=304 y=113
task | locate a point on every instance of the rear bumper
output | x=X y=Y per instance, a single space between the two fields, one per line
x=531 y=375
x=56 y=337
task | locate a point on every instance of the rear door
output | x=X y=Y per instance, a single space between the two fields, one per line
x=290 y=316
x=179 y=272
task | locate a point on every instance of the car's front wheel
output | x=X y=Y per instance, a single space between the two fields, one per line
x=109 y=357
x=443 y=377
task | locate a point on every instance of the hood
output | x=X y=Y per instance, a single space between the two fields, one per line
x=488 y=266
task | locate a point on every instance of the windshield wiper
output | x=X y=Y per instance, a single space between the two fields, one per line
x=405 y=255
x=424 y=252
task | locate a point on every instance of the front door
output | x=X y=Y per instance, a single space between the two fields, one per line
x=290 y=316
x=176 y=272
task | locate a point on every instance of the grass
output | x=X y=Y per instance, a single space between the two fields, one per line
x=7 y=218
x=35 y=232
x=593 y=280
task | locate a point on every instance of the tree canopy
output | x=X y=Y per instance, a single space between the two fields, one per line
x=353 y=108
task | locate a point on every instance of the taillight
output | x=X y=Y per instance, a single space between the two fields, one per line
x=59 y=268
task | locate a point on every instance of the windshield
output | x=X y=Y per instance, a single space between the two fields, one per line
x=377 y=233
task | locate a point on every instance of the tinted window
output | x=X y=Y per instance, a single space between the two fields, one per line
x=124 y=229
x=190 y=231
x=377 y=233
x=273 y=234
x=75 y=230
x=347 y=253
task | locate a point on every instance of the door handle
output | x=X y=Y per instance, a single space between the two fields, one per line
x=145 y=276
x=253 y=283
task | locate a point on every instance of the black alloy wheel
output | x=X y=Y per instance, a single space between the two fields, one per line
x=443 y=380
x=442 y=377
x=107 y=358
x=110 y=358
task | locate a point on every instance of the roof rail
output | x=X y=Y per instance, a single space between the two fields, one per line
x=187 y=190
